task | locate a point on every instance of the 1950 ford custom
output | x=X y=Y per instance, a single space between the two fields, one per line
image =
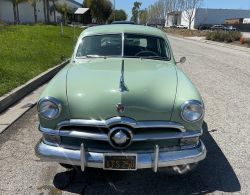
x=121 y=104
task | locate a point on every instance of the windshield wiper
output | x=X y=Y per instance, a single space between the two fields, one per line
x=154 y=57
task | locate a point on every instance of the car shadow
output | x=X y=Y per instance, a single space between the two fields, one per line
x=213 y=174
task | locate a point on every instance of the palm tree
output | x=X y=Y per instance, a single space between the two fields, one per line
x=64 y=9
x=54 y=9
x=47 y=6
x=44 y=11
x=47 y=10
x=17 y=3
x=16 y=10
x=33 y=4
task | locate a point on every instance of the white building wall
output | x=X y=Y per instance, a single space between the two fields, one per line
x=6 y=11
x=26 y=12
x=218 y=16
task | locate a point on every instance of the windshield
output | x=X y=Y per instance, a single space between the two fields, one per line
x=135 y=46
x=100 y=45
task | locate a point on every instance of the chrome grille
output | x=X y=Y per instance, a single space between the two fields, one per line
x=94 y=134
x=96 y=138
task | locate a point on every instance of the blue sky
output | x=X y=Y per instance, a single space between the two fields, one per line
x=236 y=4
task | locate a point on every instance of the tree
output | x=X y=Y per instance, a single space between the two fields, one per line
x=135 y=11
x=143 y=16
x=47 y=10
x=16 y=10
x=64 y=9
x=14 y=5
x=120 y=15
x=100 y=9
x=33 y=4
x=156 y=13
x=44 y=10
x=54 y=9
x=189 y=7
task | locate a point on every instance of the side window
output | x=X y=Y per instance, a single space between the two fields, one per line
x=143 y=43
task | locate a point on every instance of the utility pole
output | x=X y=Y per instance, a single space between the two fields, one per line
x=114 y=10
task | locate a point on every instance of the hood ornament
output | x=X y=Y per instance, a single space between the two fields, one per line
x=122 y=86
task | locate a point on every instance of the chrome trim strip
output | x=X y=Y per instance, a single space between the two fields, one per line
x=78 y=134
x=124 y=121
x=166 y=135
x=123 y=39
x=150 y=136
x=160 y=124
x=82 y=157
x=95 y=160
x=48 y=131
x=156 y=158
x=137 y=136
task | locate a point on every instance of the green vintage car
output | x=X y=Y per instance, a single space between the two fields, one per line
x=121 y=104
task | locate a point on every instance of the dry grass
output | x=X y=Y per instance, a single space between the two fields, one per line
x=186 y=32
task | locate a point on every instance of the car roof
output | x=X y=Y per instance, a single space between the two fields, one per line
x=124 y=28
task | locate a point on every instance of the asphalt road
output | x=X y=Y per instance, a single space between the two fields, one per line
x=223 y=77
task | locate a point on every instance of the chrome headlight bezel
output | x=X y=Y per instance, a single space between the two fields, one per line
x=189 y=103
x=55 y=102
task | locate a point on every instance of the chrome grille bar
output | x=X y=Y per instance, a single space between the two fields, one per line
x=138 y=136
x=121 y=121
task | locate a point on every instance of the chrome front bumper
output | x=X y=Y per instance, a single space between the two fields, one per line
x=152 y=160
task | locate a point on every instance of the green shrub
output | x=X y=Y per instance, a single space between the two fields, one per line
x=224 y=36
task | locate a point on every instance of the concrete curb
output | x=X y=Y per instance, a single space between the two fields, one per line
x=15 y=95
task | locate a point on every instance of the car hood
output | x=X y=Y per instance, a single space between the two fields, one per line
x=93 y=89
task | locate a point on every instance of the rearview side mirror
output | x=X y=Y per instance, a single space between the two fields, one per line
x=182 y=60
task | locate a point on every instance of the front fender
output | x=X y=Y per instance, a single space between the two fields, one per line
x=57 y=89
x=185 y=91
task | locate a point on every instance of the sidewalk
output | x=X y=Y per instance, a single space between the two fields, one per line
x=13 y=113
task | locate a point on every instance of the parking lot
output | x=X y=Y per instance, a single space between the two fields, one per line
x=222 y=76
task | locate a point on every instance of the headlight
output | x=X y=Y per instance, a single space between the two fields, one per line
x=192 y=111
x=49 y=108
